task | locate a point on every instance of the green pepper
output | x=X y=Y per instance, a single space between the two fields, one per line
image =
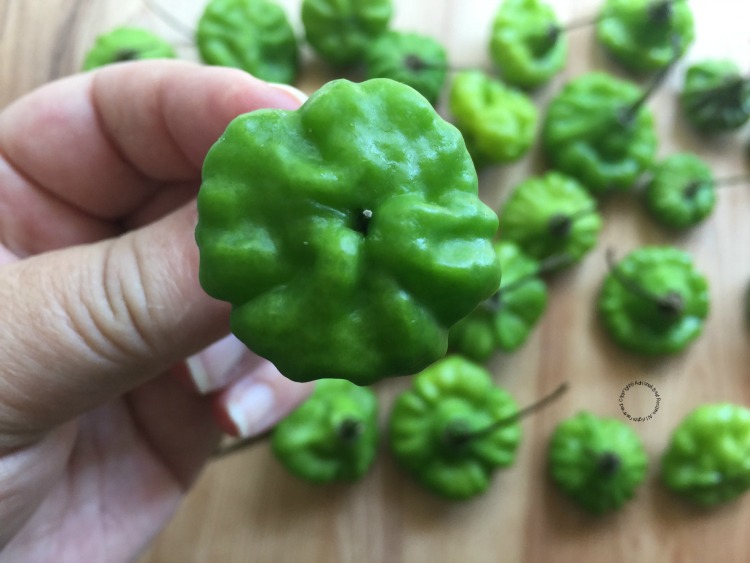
x=715 y=97
x=127 y=44
x=413 y=59
x=348 y=235
x=253 y=35
x=332 y=436
x=505 y=320
x=445 y=431
x=597 y=462
x=646 y=35
x=654 y=301
x=681 y=191
x=526 y=43
x=341 y=31
x=497 y=121
x=708 y=458
x=598 y=131
x=551 y=215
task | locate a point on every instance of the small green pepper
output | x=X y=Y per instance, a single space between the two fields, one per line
x=551 y=215
x=646 y=35
x=127 y=44
x=498 y=122
x=341 y=31
x=348 y=235
x=598 y=131
x=708 y=458
x=254 y=35
x=654 y=302
x=681 y=191
x=445 y=431
x=413 y=59
x=715 y=97
x=506 y=319
x=526 y=43
x=597 y=462
x=332 y=436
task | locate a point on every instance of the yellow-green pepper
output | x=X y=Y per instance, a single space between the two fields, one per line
x=348 y=235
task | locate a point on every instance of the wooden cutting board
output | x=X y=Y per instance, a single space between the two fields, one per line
x=246 y=508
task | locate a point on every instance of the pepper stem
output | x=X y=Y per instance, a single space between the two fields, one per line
x=692 y=187
x=555 y=30
x=671 y=304
x=560 y=224
x=349 y=430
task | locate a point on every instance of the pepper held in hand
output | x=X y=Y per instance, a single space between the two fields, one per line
x=348 y=235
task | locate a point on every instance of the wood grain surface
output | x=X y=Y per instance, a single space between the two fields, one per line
x=246 y=508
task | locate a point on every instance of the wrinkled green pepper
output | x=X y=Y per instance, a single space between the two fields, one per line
x=413 y=59
x=646 y=35
x=597 y=462
x=505 y=320
x=444 y=429
x=526 y=43
x=340 y=31
x=654 y=301
x=708 y=458
x=498 y=122
x=681 y=191
x=596 y=131
x=551 y=215
x=332 y=436
x=254 y=35
x=715 y=97
x=127 y=44
x=348 y=235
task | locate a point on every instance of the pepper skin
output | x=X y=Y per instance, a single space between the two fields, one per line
x=438 y=428
x=332 y=436
x=681 y=192
x=348 y=235
x=597 y=462
x=127 y=44
x=592 y=133
x=505 y=320
x=526 y=43
x=551 y=215
x=646 y=35
x=707 y=461
x=715 y=97
x=666 y=309
x=253 y=35
x=498 y=122
x=416 y=60
x=341 y=31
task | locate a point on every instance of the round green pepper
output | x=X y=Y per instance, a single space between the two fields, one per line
x=506 y=319
x=715 y=97
x=127 y=44
x=416 y=60
x=348 y=235
x=497 y=122
x=646 y=35
x=526 y=43
x=253 y=35
x=444 y=429
x=708 y=458
x=332 y=436
x=597 y=131
x=681 y=191
x=597 y=462
x=551 y=215
x=654 y=302
x=341 y=31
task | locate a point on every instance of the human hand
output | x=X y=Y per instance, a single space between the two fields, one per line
x=100 y=304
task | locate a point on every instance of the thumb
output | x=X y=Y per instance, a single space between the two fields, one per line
x=85 y=324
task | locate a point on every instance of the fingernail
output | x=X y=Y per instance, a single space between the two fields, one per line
x=298 y=95
x=210 y=369
x=249 y=408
